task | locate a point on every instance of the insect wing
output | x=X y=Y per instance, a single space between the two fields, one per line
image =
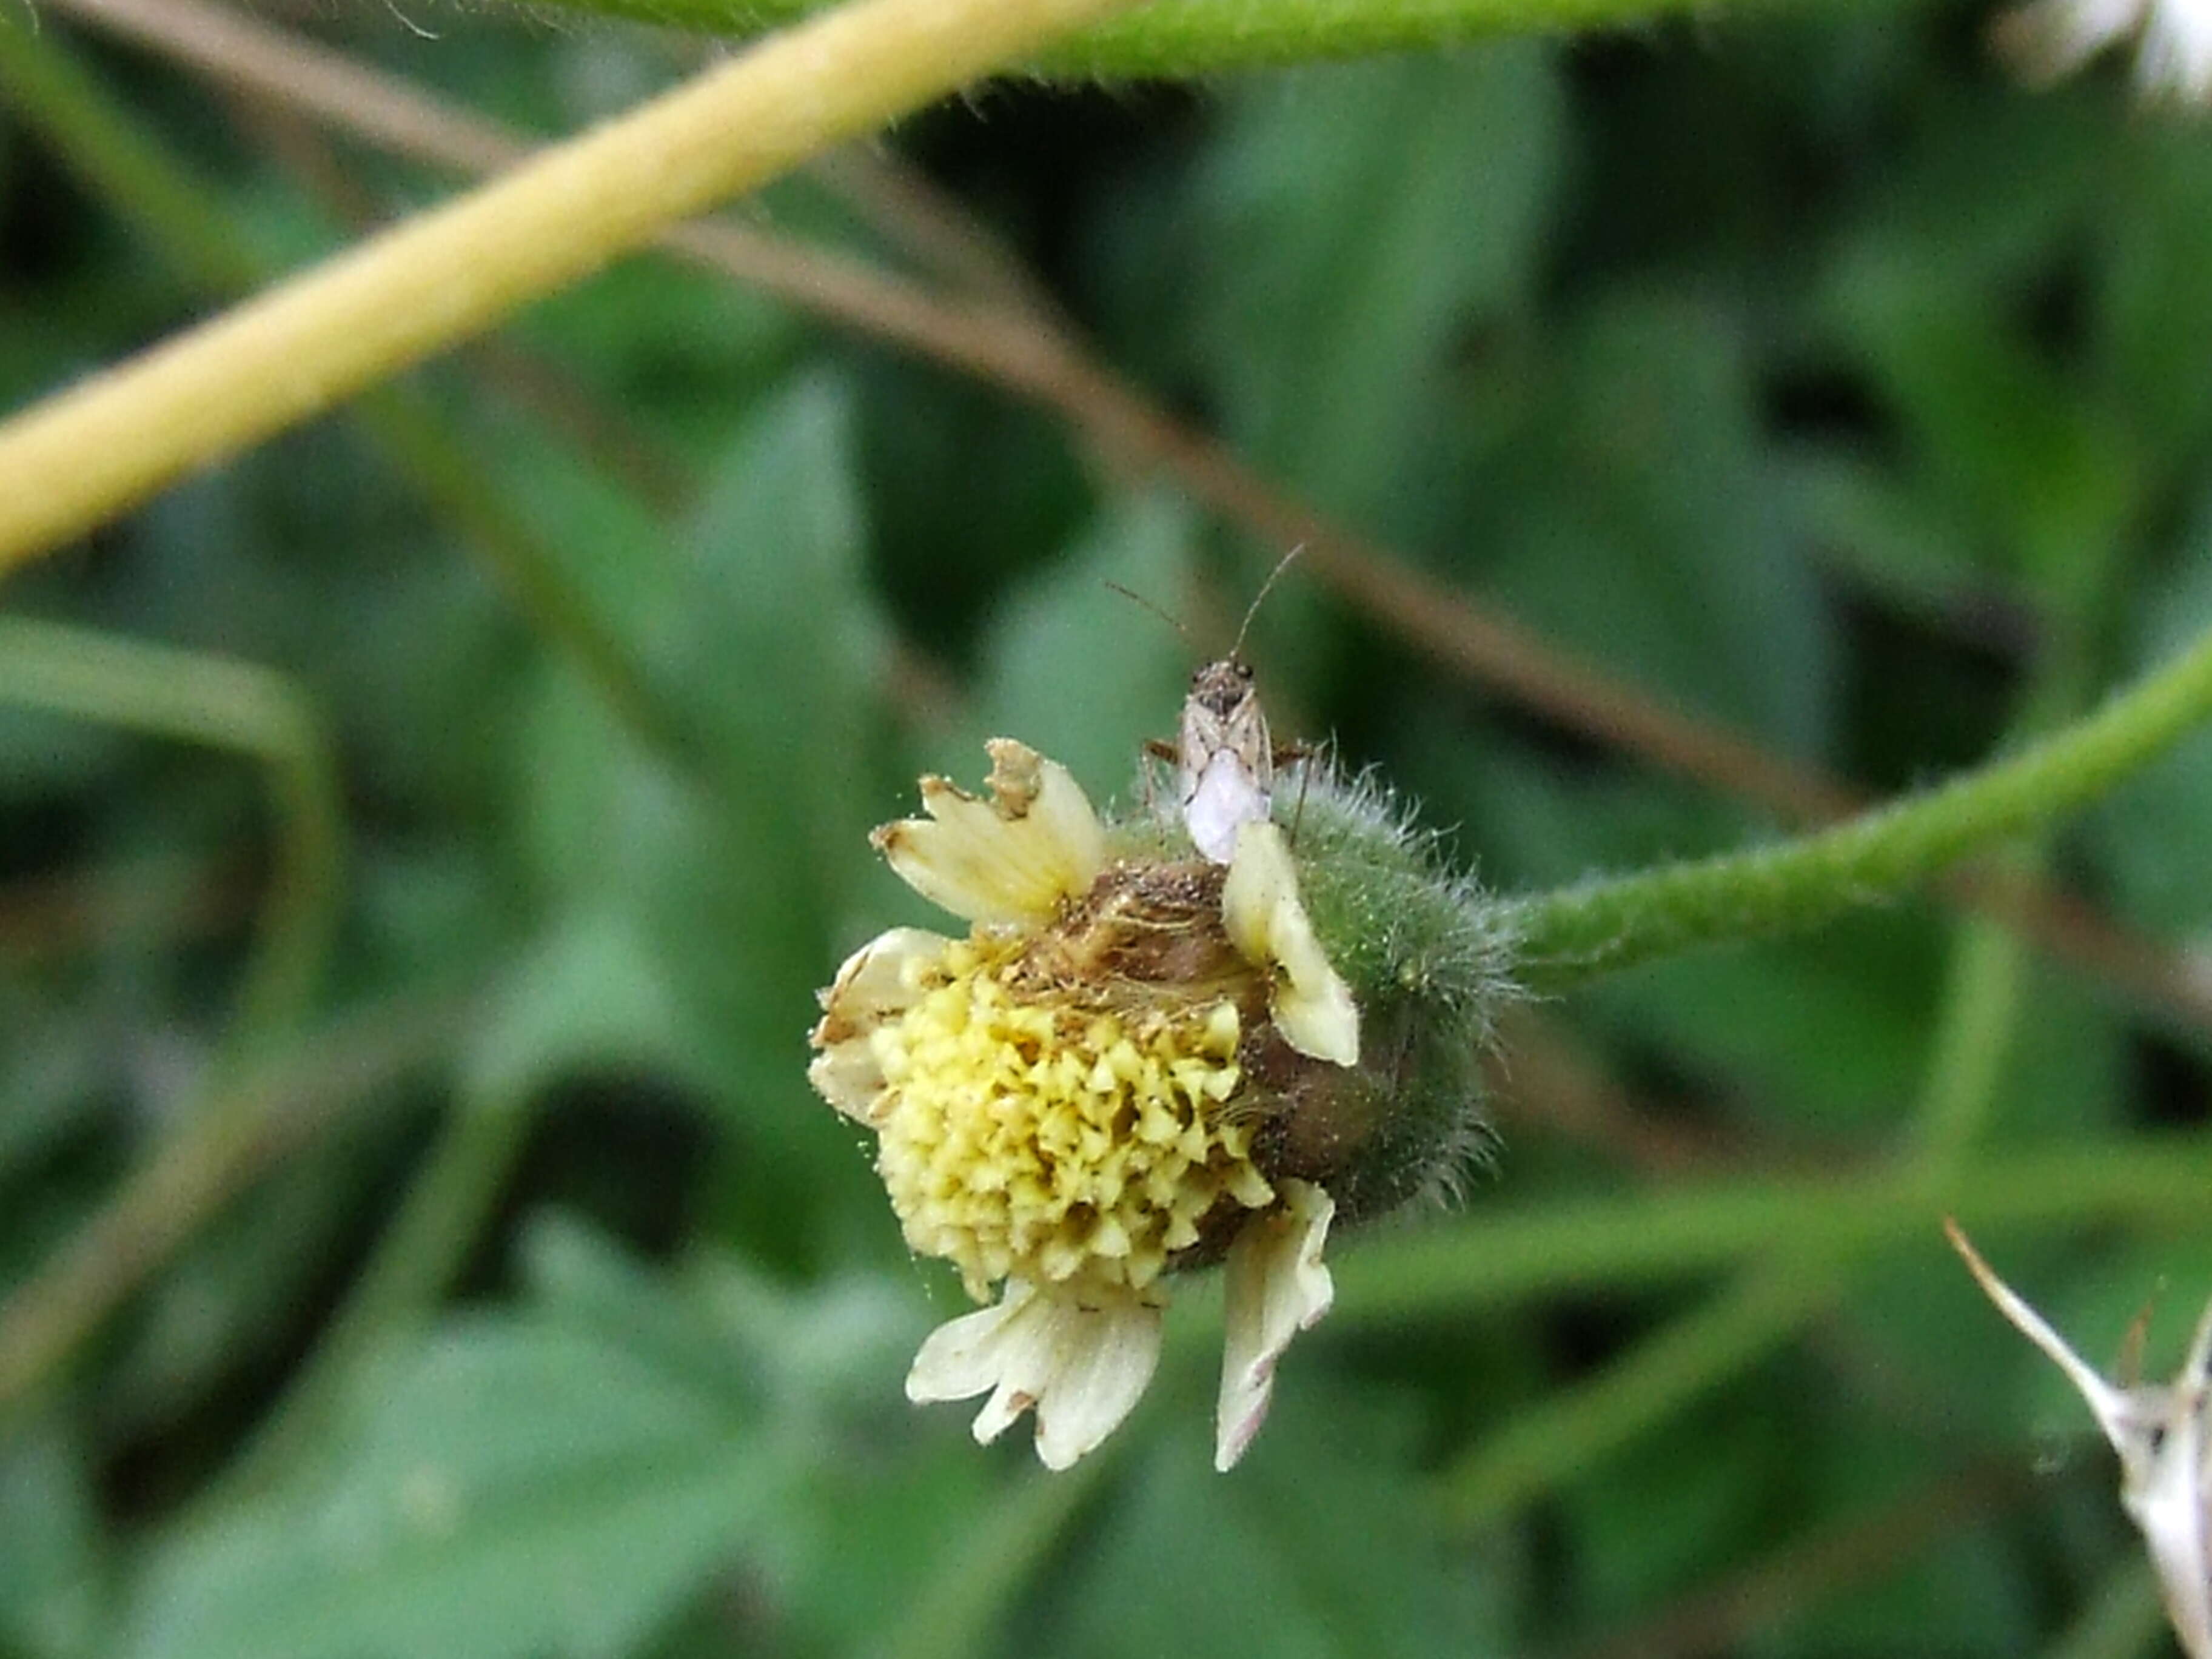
x=1224 y=766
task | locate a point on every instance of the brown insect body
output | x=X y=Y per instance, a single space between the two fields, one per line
x=1225 y=761
x=1225 y=758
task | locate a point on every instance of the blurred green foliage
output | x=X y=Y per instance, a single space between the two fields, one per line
x=1800 y=372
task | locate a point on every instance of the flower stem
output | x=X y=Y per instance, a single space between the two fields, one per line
x=984 y=1572
x=1986 y=979
x=1739 y=1326
x=103 y=141
x=1599 y=926
x=89 y=453
x=1492 y=1257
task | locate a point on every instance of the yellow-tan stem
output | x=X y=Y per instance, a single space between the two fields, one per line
x=91 y=451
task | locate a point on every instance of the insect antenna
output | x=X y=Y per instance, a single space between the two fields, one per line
x=1237 y=648
x=1135 y=598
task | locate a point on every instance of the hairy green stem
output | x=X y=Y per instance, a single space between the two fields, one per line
x=249 y=710
x=1599 y=926
x=1570 y=1429
x=1201 y=37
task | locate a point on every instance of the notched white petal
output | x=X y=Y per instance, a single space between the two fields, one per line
x=878 y=982
x=1082 y=1368
x=2164 y=1438
x=1266 y=921
x=2175 y=58
x=2051 y=38
x=1009 y=859
x=1277 y=1286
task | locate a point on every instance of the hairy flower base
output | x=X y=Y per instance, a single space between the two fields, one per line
x=1030 y=1136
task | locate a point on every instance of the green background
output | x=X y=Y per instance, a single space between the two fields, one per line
x=1803 y=373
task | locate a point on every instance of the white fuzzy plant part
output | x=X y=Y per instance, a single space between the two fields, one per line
x=2163 y=1434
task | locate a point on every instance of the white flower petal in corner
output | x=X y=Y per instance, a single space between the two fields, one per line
x=1012 y=859
x=1277 y=1286
x=2176 y=55
x=2163 y=1434
x=879 y=983
x=1082 y=1368
x=2054 y=37
x=1269 y=925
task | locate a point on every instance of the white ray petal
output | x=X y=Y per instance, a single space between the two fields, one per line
x=1277 y=1286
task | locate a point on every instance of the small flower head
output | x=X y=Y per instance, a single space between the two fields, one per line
x=2163 y=1434
x=1138 y=1062
x=2050 y=38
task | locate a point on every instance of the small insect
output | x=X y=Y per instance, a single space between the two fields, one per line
x=1225 y=758
x=2163 y=1433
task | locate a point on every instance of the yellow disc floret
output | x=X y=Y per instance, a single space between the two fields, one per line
x=1029 y=1134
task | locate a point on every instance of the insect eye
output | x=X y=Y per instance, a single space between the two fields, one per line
x=1245 y=673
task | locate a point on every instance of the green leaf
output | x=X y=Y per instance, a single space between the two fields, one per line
x=780 y=641
x=521 y=1486
x=1080 y=673
x=52 y=1064
x=1652 y=534
x=1537 y=822
x=1307 y=1548
x=53 y=1593
x=682 y=349
x=728 y=1330
x=1964 y=1591
x=2148 y=835
x=589 y=995
x=1359 y=222
x=1822 y=1037
x=2150 y=291
x=1995 y=432
x=1913 y=548
x=734 y=873
x=1651 y=1518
